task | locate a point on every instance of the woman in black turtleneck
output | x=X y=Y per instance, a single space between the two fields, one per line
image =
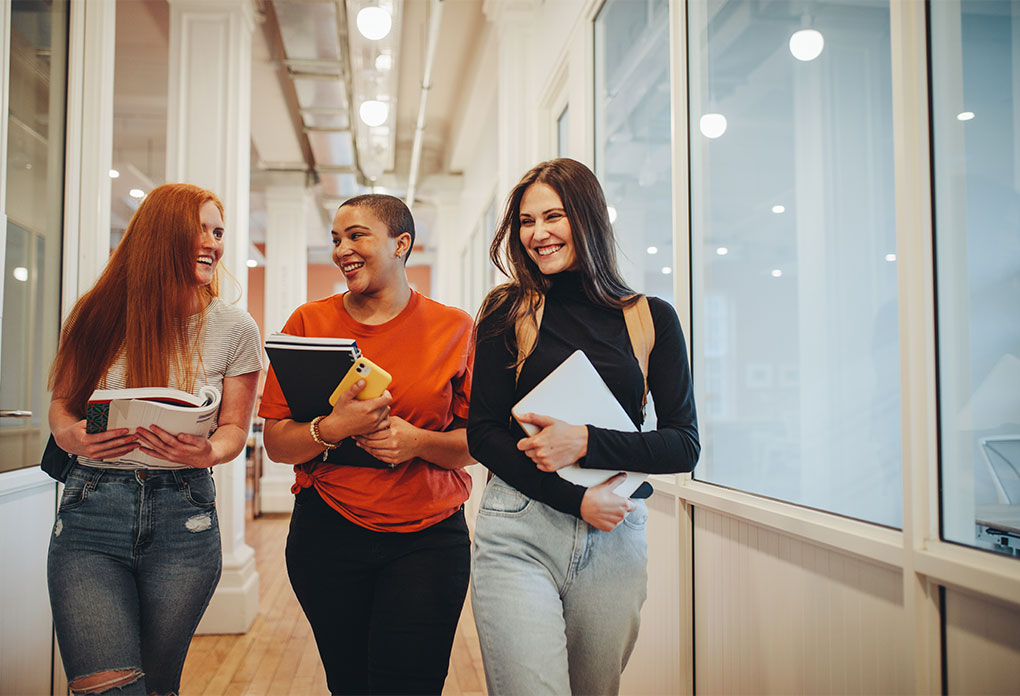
x=558 y=574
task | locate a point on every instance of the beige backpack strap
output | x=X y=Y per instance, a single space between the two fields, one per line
x=638 y=318
x=527 y=334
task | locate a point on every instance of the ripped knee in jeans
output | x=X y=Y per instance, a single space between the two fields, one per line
x=103 y=681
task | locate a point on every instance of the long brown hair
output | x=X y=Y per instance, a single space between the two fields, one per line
x=594 y=245
x=141 y=303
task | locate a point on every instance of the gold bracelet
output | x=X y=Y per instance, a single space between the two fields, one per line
x=313 y=428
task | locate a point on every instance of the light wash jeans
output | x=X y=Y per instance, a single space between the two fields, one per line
x=133 y=563
x=557 y=603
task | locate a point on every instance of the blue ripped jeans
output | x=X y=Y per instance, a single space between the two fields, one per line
x=134 y=559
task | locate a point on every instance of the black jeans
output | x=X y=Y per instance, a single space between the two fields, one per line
x=383 y=606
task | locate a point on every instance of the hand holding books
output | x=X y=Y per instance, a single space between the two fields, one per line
x=353 y=416
x=109 y=444
x=167 y=426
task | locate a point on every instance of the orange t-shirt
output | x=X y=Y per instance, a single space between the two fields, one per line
x=425 y=350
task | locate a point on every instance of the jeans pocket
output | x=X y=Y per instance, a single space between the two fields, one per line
x=201 y=491
x=500 y=499
x=76 y=490
x=638 y=517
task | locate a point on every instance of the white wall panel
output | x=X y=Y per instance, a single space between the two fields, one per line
x=775 y=614
x=655 y=666
x=27 y=507
x=982 y=645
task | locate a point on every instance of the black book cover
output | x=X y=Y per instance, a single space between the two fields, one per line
x=309 y=374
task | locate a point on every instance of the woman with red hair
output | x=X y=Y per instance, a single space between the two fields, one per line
x=135 y=552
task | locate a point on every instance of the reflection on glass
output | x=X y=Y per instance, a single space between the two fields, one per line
x=975 y=63
x=34 y=208
x=796 y=354
x=632 y=135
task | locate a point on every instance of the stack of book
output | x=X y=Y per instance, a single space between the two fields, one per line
x=309 y=369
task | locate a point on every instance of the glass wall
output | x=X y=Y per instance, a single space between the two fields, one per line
x=793 y=253
x=975 y=63
x=34 y=207
x=632 y=137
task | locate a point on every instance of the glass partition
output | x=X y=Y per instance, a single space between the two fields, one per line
x=975 y=82
x=793 y=254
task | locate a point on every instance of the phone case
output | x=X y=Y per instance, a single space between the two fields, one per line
x=376 y=380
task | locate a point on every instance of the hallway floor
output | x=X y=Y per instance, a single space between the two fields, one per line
x=278 y=656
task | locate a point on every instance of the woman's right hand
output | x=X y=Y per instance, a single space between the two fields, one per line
x=105 y=445
x=603 y=509
x=353 y=417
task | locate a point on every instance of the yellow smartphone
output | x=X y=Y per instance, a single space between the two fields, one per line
x=376 y=380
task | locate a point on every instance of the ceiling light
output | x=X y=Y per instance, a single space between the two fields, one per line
x=890 y=257
x=776 y=273
x=137 y=193
x=374 y=113
x=252 y=263
x=722 y=251
x=806 y=44
x=712 y=125
x=21 y=273
x=666 y=270
x=383 y=62
x=653 y=250
x=114 y=173
x=612 y=214
x=965 y=116
x=777 y=209
x=374 y=23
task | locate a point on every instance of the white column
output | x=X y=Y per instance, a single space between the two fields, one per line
x=513 y=20
x=289 y=215
x=208 y=144
x=89 y=147
x=444 y=192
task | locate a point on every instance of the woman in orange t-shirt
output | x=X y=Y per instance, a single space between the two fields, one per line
x=378 y=551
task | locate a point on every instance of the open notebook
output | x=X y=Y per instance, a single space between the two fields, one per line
x=575 y=392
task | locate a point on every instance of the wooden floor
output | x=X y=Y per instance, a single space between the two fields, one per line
x=278 y=655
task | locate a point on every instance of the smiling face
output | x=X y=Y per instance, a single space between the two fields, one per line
x=545 y=230
x=364 y=251
x=210 y=243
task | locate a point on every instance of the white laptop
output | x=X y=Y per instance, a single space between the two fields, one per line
x=575 y=392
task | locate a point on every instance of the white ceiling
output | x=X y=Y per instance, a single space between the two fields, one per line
x=282 y=142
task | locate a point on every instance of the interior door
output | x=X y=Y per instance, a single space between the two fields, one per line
x=32 y=238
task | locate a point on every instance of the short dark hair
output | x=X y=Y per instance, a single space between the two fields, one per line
x=391 y=211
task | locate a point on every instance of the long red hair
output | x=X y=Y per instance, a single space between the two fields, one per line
x=141 y=303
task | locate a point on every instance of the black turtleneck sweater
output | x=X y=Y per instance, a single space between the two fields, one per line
x=571 y=321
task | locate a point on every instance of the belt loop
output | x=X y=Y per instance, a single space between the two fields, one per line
x=181 y=483
x=97 y=474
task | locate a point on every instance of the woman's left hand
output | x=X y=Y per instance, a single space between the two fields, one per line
x=556 y=445
x=191 y=450
x=394 y=445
